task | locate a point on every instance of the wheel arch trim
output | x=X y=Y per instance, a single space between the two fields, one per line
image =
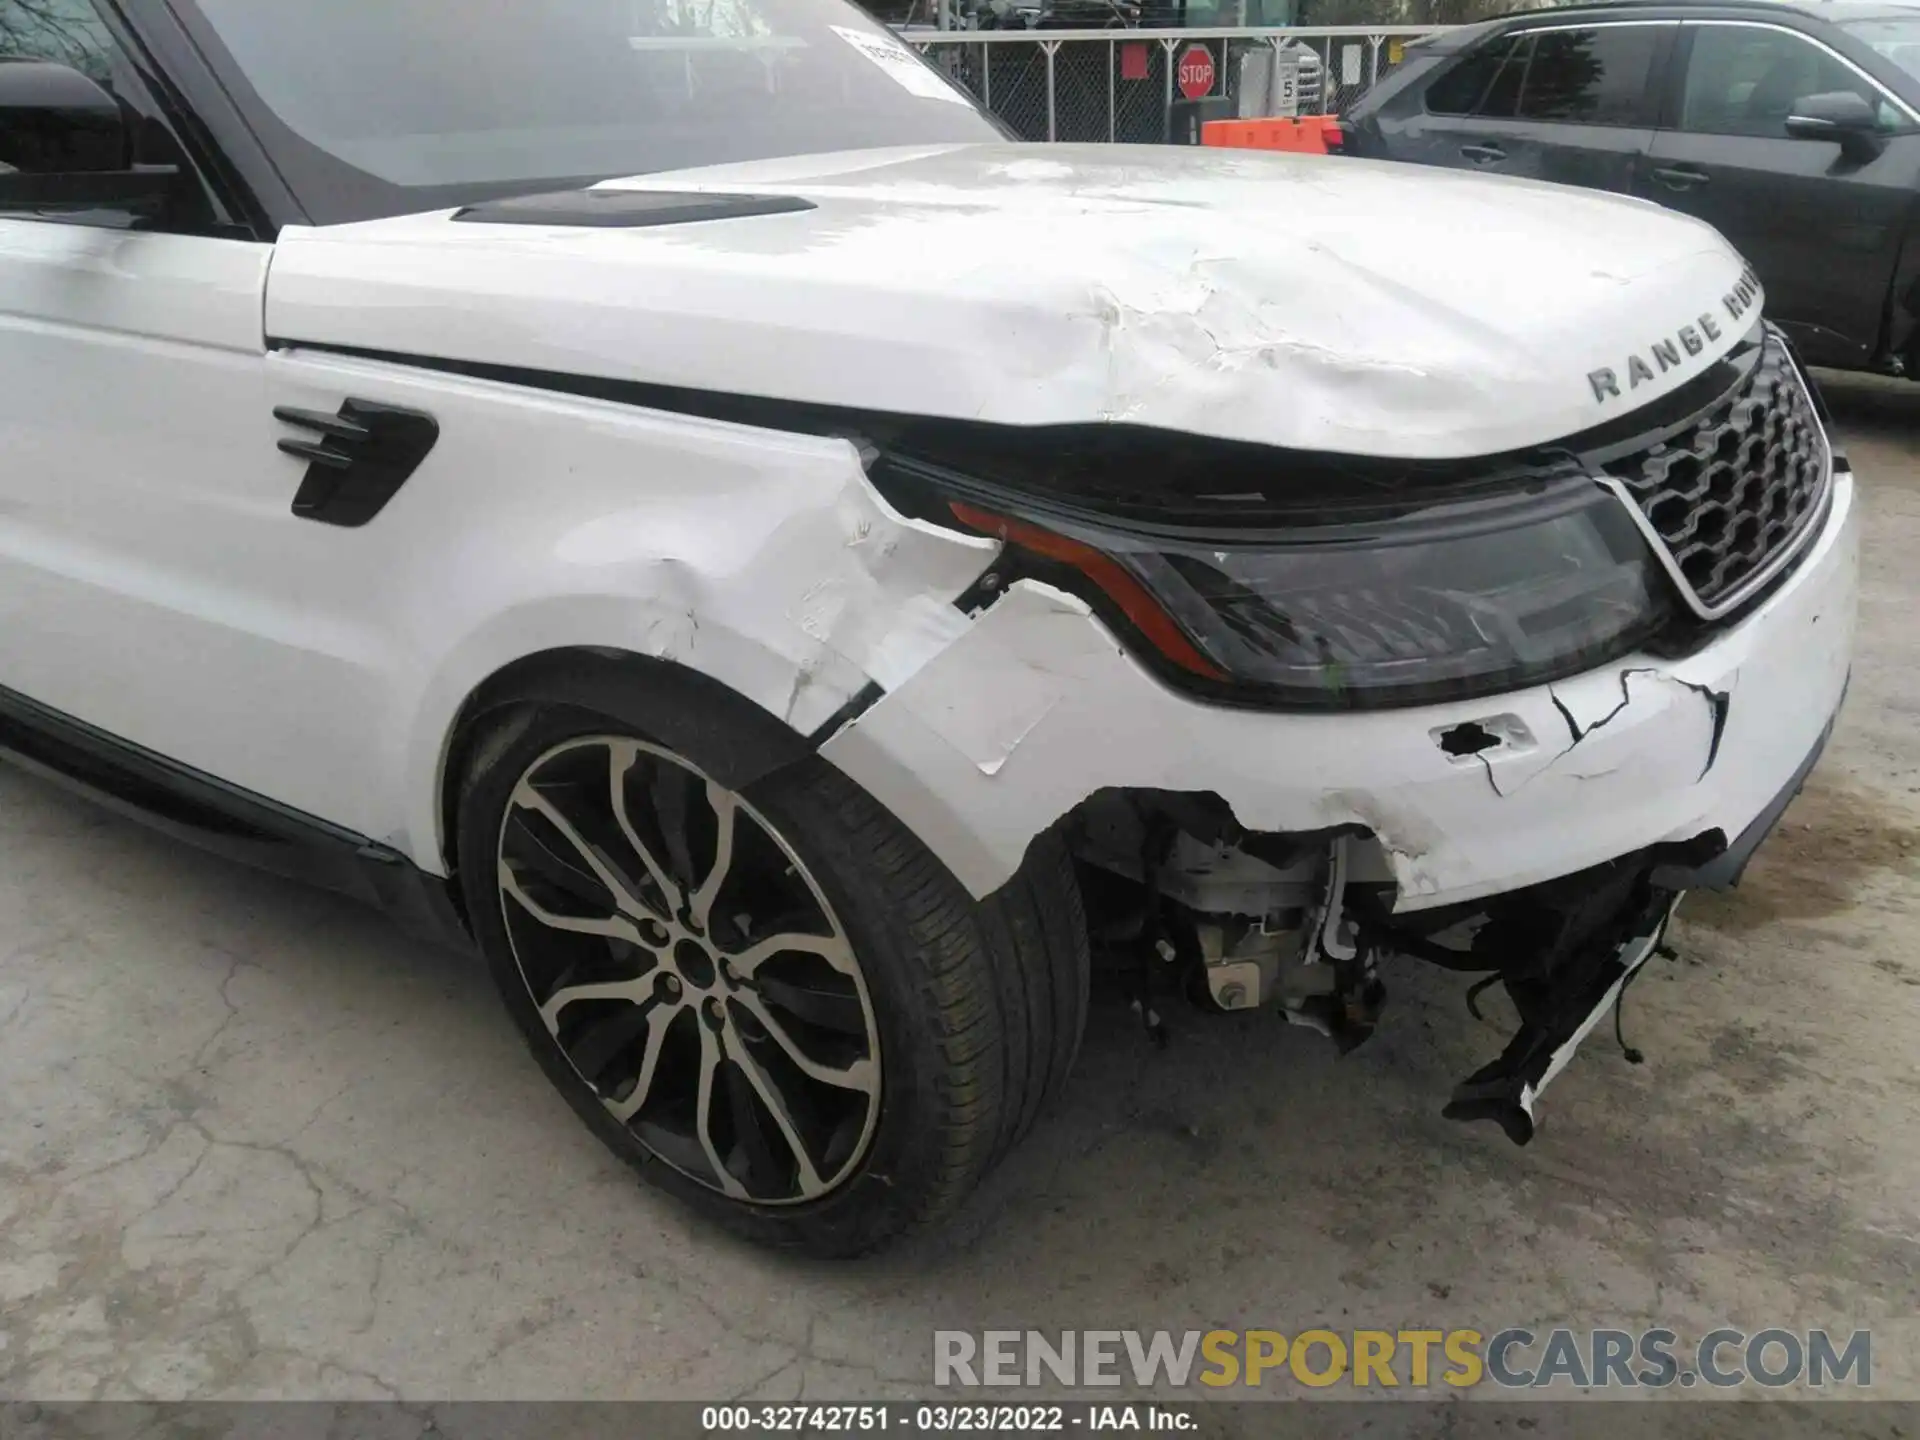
x=543 y=651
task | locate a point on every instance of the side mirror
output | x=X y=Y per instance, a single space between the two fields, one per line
x=68 y=146
x=1842 y=116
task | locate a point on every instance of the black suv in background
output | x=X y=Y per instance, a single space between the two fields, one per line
x=1792 y=128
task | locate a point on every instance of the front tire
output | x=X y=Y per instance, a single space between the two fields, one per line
x=749 y=979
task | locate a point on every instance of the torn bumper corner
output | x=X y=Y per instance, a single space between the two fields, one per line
x=1036 y=706
x=1557 y=1017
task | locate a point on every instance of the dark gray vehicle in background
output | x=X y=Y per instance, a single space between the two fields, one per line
x=1792 y=128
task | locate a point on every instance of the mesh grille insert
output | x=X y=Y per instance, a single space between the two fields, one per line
x=1737 y=485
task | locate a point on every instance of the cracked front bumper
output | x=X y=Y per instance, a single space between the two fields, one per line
x=1036 y=707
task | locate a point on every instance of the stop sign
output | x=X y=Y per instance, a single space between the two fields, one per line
x=1195 y=72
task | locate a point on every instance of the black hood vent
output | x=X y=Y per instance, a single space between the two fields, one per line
x=626 y=209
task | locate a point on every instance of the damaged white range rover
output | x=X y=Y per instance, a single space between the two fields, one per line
x=670 y=495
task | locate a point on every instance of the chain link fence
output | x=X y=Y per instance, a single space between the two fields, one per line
x=1137 y=86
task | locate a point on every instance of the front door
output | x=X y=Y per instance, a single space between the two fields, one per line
x=1822 y=230
x=154 y=582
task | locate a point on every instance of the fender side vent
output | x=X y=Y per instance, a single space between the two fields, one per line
x=626 y=209
x=362 y=458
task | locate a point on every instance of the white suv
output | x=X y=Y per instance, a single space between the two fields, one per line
x=779 y=602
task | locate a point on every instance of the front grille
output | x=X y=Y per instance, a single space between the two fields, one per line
x=1739 y=484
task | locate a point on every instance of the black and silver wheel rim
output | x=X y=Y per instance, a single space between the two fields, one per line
x=690 y=969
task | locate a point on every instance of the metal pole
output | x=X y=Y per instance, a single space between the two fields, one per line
x=1166 y=113
x=986 y=77
x=1113 y=130
x=1052 y=47
x=1373 y=68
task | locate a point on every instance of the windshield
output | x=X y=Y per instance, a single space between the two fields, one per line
x=378 y=107
x=1898 y=40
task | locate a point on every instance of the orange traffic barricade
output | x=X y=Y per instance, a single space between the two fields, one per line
x=1307 y=135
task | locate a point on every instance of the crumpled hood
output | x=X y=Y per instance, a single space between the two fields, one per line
x=1323 y=304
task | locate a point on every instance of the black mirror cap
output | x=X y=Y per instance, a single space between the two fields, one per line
x=1830 y=116
x=56 y=121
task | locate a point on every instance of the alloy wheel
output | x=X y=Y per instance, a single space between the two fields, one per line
x=690 y=969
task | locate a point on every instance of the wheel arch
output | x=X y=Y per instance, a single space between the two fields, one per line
x=579 y=675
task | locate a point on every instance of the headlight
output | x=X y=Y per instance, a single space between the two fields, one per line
x=1458 y=599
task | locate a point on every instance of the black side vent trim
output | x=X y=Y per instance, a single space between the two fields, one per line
x=362 y=458
x=626 y=209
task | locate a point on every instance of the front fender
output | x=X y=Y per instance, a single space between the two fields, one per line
x=760 y=559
